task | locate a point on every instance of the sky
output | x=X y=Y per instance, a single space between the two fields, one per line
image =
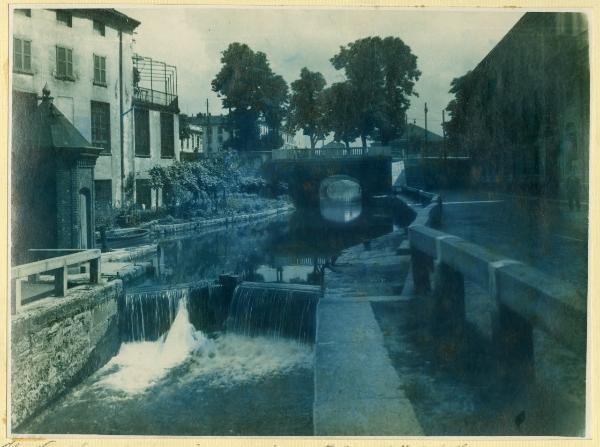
x=447 y=44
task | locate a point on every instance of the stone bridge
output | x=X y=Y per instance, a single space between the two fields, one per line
x=303 y=170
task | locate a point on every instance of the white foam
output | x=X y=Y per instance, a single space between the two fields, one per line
x=138 y=365
x=228 y=360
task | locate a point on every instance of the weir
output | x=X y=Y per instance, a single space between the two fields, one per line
x=274 y=309
x=147 y=313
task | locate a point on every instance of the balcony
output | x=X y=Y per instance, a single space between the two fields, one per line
x=155 y=84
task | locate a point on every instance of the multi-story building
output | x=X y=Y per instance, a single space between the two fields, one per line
x=155 y=126
x=83 y=56
x=214 y=133
x=524 y=109
x=191 y=139
x=123 y=103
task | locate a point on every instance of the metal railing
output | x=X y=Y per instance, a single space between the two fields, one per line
x=352 y=152
x=56 y=265
x=149 y=96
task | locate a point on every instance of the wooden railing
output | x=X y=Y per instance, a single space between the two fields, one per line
x=56 y=265
x=352 y=152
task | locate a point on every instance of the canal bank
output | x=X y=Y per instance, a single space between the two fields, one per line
x=131 y=264
x=357 y=390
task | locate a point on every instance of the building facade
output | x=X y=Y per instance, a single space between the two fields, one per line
x=155 y=111
x=523 y=113
x=191 y=142
x=214 y=133
x=85 y=58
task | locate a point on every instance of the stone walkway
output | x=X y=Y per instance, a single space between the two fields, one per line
x=357 y=390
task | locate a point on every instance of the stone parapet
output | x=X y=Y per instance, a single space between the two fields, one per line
x=58 y=341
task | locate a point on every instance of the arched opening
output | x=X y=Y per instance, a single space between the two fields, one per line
x=340 y=198
x=85 y=216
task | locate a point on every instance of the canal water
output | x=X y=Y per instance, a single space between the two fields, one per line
x=228 y=379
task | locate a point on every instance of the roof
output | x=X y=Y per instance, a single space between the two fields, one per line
x=214 y=120
x=59 y=130
x=110 y=17
x=412 y=132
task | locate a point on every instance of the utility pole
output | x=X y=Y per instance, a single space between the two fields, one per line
x=426 y=110
x=207 y=130
x=444 y=130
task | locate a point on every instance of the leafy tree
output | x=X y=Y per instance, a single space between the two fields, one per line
x=306 y=111
x=273 y=111
x=456 y=127
x=382 y=74
x=184 y=127
x=250 y=91
x=339 y=112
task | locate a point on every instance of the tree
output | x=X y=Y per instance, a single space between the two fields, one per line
x=306 y=111
x=457 y=127
x=250 y=91
x=340 y=113
x=382 y=74
x=184 y=127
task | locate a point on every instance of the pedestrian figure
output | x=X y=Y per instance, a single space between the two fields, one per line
x=573 y=192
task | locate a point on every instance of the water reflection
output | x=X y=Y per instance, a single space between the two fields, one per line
x=340 y=200
x=340 y=211
x=290 y=248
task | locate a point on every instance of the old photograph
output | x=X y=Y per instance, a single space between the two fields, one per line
x=294 y=221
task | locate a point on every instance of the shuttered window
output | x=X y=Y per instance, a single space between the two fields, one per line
x=99 y=70
x=22 y=55
x=64 y=62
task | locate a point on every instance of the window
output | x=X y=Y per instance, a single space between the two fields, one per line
x=103 y=190
x=101 y=125
x=99 y=28
x=64 y=17
x=167 y=147
x=22 y=55
x=142 y=132
x=99 y=70
x=23 y=12
x=143 y=193
x=64 y=63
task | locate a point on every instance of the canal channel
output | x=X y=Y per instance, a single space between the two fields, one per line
x=198 y=379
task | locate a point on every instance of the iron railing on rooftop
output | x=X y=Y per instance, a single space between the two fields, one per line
x=155 y=82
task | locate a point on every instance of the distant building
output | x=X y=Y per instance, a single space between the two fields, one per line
x=191 y=145
x=416 y=141
x=525 y=121
x=214 y=133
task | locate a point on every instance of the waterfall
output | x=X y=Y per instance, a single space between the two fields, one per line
x=275 y=310
x=140 y=364
x=148 y=313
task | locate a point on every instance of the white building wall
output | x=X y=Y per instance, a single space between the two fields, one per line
x=74 y=98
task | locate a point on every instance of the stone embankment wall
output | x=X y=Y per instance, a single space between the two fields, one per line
x=203 y=223
x=57 y=342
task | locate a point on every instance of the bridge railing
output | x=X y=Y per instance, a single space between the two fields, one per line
x=526 y=298
x=352 y=152
x=56 y=265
